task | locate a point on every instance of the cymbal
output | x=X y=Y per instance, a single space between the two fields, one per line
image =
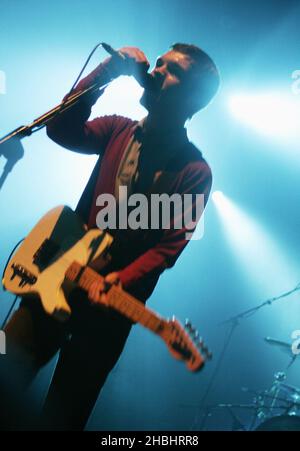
x=218 y=406
x=291 y=388
x=285 y=347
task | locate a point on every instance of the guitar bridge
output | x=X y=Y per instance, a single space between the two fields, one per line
x=26 y=276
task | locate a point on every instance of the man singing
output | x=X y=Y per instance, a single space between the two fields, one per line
x=150 y=156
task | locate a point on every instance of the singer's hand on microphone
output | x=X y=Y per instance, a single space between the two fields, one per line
x=134 y=63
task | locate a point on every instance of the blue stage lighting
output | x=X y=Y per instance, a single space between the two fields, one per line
x=267 y=265
x=217 y=196
x=270 y=113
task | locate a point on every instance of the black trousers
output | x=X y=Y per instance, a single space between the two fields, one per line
x=90 y=343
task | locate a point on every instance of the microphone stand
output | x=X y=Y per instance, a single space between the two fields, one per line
x=251 y=311
x=13 y=151
x=233 y=322
x=69 y=101
x=41 y=121
x=10 y=144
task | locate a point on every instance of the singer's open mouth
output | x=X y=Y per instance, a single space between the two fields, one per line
x=153 y=84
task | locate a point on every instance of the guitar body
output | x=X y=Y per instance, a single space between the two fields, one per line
x=38 y=267
x=59 y=249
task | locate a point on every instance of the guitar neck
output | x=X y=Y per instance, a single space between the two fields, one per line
x=118 y=299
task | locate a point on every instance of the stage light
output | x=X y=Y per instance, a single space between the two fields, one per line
x=268 y=267
x=2 y=82
x=217 y=196
x=121 y=97
x=271 y=113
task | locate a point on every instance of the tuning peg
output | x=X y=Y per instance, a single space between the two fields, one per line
x=196 y=335
x=190 y=327
x=187 y=324
x=199 y=343
x=200 y=340
x=207 y=352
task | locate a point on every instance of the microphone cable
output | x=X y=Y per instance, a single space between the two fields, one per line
x=74 y=84
x=16 y=297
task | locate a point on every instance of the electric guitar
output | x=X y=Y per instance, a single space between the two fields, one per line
x=58 y=249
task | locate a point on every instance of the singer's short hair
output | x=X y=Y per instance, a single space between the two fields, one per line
x=205 y=78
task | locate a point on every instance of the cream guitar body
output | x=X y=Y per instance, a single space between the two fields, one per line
x=59 y=249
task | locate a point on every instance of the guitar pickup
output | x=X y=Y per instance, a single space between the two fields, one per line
x=45 y=253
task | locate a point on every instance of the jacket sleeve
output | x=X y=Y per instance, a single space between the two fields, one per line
x=72 y=130
x=153 y=262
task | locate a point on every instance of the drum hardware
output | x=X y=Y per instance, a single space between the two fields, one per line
x=237 y=424
x=234 y=321
x=285 y=347
x=280 y=401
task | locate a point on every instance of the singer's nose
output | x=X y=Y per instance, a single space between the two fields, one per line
x=159 y=73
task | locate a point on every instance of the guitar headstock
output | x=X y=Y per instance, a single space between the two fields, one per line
x=184 y=343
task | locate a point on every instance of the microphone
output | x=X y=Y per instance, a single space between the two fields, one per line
x=108 y=48
x=146 y=80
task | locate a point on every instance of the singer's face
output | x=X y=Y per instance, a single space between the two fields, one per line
x=172 y=73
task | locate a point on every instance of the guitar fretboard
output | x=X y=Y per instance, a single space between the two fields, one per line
x=117 y=298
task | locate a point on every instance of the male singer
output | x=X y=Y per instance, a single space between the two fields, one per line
x=150 y=156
